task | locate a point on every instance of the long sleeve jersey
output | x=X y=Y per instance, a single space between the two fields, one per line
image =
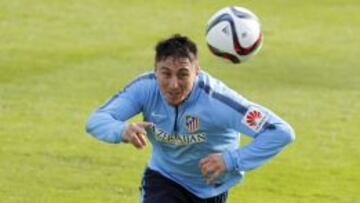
x=210 y=120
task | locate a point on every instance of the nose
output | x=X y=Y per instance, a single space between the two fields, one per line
x=174 y=82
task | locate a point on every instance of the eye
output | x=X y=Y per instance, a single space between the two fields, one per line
x=166 y=74
x=183 y=75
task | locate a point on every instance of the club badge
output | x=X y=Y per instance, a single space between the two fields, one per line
x=192 y=123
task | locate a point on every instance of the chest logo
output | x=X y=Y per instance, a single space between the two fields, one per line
x=192 y=123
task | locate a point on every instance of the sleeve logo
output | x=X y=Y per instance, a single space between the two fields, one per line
x=254 y=119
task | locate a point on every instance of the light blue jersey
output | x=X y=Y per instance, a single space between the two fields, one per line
x=209 y=120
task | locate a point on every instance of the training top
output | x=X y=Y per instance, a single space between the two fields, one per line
x=210 y=120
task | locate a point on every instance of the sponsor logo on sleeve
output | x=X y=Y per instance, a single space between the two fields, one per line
x=254 y=119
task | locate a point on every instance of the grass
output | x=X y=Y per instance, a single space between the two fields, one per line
x=61 y=59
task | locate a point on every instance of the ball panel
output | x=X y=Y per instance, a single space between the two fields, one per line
x=218 y=37
x=248 y=31
x=215 y=18
x=224 y=55
x=255 y=46
x=241 y=12
x=221 y=37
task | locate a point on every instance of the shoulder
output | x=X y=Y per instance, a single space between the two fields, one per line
x=217 y=91
x=145 y=81
x=148 y=77
x=213 y=86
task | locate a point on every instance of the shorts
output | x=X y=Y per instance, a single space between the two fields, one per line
x=155 y=188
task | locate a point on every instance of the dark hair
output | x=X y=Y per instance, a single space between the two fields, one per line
x=176 y=46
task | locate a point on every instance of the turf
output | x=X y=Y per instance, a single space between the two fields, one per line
x=59 y=60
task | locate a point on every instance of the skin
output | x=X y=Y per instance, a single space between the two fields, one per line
x=176 y=77
x=135 y=133
x=212 y=166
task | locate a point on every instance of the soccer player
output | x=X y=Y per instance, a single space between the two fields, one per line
x=193 y=122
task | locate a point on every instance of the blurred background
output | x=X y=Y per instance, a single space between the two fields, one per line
x=59 y=60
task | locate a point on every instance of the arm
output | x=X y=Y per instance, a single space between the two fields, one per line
x=108 y=123
x=271 y=134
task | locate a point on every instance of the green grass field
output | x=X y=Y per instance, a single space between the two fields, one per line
x=59 y=60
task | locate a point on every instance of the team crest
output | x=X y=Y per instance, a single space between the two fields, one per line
x=192 y=123
x=254 y=119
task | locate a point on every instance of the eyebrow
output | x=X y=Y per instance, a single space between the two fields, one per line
x=164 y=68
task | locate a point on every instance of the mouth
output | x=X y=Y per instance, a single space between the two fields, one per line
x=174 y=94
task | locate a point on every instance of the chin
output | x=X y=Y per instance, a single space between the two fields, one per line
x=174 y=102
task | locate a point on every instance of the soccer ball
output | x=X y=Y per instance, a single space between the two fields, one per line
x=234 y=33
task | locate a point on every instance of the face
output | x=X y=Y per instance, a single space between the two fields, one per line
x=176 y=78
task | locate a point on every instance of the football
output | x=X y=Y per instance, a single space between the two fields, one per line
x=234 y=33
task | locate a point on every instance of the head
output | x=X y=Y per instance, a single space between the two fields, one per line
x=176 y=67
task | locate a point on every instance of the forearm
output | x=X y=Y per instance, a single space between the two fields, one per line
x=266 y=145
x=105 y=127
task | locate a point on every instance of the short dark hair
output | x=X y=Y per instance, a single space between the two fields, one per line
x=176 y=46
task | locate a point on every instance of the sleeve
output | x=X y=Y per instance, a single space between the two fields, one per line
x=269 y=132
x=108 y=121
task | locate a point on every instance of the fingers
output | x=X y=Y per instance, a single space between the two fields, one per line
x=212 y=167
x=135 y=134
x=145 y=124
x=142 y=139
x=208 y=165
x=203 y=165
x=137 y=128
x=208 y=168
x=138 y=140
x=212 y=177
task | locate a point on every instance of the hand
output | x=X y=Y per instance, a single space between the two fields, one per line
x=212 y=166
x=135 y=134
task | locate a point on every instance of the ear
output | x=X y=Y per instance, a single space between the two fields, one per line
x=197 y=67
x=155 y=67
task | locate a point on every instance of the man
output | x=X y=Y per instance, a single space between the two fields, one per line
x=193 y=122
